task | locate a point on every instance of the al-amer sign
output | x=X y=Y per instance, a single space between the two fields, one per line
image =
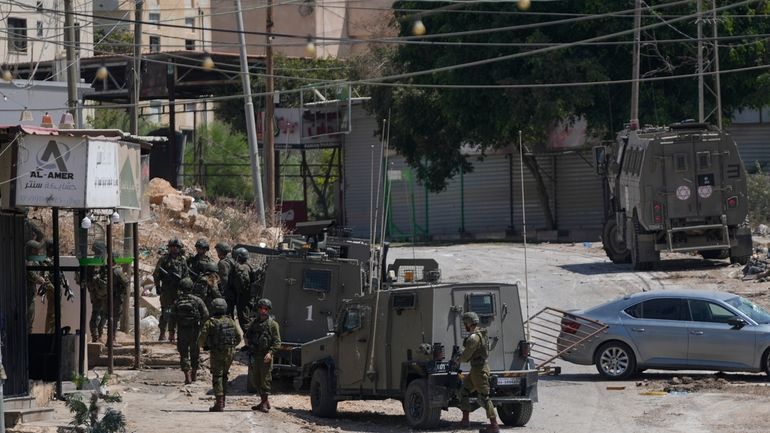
x=68 y=172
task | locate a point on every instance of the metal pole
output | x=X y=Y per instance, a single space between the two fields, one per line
x=72 y=67
x=136 y=68
x=2 y=380
x=635 y=68
x=251 y=127
x=137 y=334
x=110 y=300
x=57 y=301
x=524 y=228
x=83 y=249
x=718 y=83
x=701 y=115
x=269 y=114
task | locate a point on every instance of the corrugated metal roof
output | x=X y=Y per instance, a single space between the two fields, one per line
x=144 y=140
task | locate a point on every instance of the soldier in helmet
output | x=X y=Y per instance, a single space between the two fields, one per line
x=195 y=263
x=241 y=284
x=190 y=312
x=207 y=285
x=476 y=351
x=120 y=285
x=220 y=335
x=225 y=266
x=98 y=294
x=34 y=279
x=264 y=339
x=169 y=271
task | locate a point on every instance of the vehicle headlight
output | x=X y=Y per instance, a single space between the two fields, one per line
x=507 y=381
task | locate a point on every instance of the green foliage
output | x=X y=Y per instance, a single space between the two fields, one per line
x=116 y=42
x=79 y=380
x=759 y=197
x=117 y=119
x=86 y=415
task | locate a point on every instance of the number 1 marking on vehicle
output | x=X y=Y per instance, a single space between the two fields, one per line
x=309 y=313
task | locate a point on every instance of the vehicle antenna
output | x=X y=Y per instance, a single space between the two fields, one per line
x=524 y=229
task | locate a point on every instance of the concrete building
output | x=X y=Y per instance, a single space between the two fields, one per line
x=338 y=29
x=32 y=31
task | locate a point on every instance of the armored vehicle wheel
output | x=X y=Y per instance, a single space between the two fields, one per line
x=615 y=360
x=515 y=414
x=322 y=402
x=417 y=408
x=715 y=254
x=638 y=266
x=741 y=260
x=616 y=250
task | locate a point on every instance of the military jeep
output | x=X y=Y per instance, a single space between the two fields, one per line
x=399 y=344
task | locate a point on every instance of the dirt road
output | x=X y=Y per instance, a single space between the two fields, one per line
x=577 y=401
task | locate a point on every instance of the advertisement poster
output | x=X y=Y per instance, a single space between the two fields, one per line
x=51 y=171
x=102 y=189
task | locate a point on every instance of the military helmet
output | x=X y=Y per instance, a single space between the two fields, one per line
x=218 y=306
x=202 y=244
x=264 y=302
x=186 y=284
x=174 y=242
x=209 y=268
x=223 y=247
x=471 y=318
x=241 y=254
x=99 y=247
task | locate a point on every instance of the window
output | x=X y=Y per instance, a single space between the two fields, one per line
x=352 y=320
x=39 y=5
x=680 y=162
x=154 y=44
x=154 y=17
x=39 y=29
x=403 y=301
x=660 y=309
x=482 y=304
x=190 y=22
x=189 y=44
x=317 y=280
x=17 y=35
x=704 y=160
x=704 y=311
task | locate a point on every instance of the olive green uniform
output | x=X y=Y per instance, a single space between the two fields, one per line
x=168 y=287
x=263 y=336
x=241 y=283
x=50 y=305
x=207 y=288
x=34 y=279
x=99 y=302
x=221 y=336
x=476 y=351
x=225 y=267
x=189 y=328
x=196 y=262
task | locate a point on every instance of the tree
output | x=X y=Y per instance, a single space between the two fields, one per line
x=112 y=118
x=429 y=125
x=116 y=42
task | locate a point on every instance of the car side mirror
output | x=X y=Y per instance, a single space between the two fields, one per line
x=736 y=322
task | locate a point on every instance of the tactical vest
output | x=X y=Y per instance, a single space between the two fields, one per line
x=222 y=335
x=481 y=354
x=187 y=311
x=263 y=340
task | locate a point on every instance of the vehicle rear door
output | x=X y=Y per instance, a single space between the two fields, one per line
x=311 y=296
x=712 y=343
x=484 y=301
x=353 y=346
x=709 y=176
x=658 y=327
x=679 y=177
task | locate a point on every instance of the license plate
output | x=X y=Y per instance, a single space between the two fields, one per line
x=507 y=381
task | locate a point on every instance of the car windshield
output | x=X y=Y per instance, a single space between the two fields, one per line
x=754 y=311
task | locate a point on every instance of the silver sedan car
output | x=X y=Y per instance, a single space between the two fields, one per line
x=671 y=330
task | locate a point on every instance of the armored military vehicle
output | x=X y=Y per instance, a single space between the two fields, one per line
x=680 y=188
x=398 y=343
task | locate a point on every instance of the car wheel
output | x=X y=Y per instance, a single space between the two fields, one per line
x=417 y=408
x=766 y=362
x=515 y=414
x=615 y=360
x=322 y=402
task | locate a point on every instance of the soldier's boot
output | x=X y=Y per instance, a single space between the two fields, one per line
x=219 y=405
x=466 y=421
x=194 y=374
x=187 y=377
x=171 y=336
x=162 y=335
x=492 y=427
x=267 y=402
x=262 y=406
x=94 y=338
x=224 y=397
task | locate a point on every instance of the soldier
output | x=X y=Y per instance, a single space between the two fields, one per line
x=220 y=335
x=207 y=286
x=241 y=284
x=169 y=271
x=476 y=351
x=98 y=294
x=264 y=339
x=190 y=312
x=120 y=285
x=47 y=289
x=34 y=279
x=196 y=262
x=225 y=266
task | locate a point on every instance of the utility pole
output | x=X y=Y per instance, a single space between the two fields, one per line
x=701 y=111
x=136 y=68
x=131 y=231
x=718 y=81
x=251 y=127
x=72 y=66
x=269 y=114
x=635 y=66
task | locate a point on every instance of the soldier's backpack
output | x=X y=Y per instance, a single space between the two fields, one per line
x=223 y=335
x=187 y=311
